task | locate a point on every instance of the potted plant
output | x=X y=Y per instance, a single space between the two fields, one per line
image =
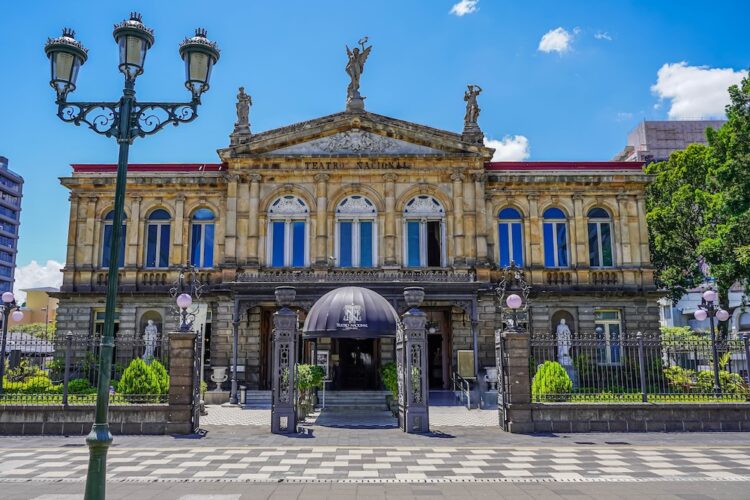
x=389 y=377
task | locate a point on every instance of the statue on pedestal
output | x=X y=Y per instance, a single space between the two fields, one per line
x=472 y=132
x=150 y=336
x=563 y=344
x=355 y=66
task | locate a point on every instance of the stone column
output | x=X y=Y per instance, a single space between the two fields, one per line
x=321 y=221
x=411 y=360
x=92 y=225
x=180 y=254
x=470 y=221
x=514 y=388
x=535 y=232
x=253 y=233
x=490 y=223
x=131 y=249
x=622 y=204
x=182 y=352
x=390 y=220
x=643 y=230
x=243 y=229
x=230 y=237
x=481 y=218
x=283 y=410
x=580 y=256
x=70 y=255
x=459 y=257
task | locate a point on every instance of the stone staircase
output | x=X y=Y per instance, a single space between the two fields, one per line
x=353 y=400
x=258 y=399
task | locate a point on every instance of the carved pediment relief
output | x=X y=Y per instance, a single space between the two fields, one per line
x=356 y=142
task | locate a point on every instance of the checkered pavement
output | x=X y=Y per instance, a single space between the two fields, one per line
x=393 y=464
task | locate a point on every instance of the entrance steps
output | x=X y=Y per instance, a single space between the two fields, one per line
x=258 y=399
x=353 y=400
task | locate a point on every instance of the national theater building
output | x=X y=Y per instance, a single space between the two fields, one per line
x=357 y=198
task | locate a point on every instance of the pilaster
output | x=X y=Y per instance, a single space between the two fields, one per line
x=253 y=233
x=390 y=220
x=459 y=256
x=230 y=237
x=321 y=221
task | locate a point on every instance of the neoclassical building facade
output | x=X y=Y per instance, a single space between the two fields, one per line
x=364 y=199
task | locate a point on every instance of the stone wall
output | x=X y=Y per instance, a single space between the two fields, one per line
x=77 y=420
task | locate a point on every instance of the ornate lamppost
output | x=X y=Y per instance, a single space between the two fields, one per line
x=511 y=303
x=709 y=308
x=124 y=120
x=9 y=309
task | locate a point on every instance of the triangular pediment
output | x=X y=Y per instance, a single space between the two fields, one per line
x=355 y=134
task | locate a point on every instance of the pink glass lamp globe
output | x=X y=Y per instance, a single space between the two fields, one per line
x=17 y=316
x=700 y=315
x=184 y=301
x=722 y=315
x=514 y=301
x=8 y=297
x=709 y=296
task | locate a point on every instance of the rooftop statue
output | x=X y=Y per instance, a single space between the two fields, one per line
x=242 y=125
x=354 y=68
x=472 y=132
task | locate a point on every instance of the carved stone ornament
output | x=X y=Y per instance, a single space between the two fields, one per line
x=288 y=205
x=355 y=141
x=356 y=205
x=424 y=205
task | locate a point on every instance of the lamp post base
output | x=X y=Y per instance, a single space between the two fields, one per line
x=98 y=441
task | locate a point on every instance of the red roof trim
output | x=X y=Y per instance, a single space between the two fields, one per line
x=149 y=167
x=563 y=165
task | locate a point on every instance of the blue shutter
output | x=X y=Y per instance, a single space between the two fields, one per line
x=298 y=244
x=412 y=244
x=277 y=245
x=345 y=244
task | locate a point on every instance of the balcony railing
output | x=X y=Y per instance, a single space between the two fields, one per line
x=352 y=276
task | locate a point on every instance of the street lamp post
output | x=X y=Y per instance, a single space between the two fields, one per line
x=124 y=120
x=9 y=309
x=708 y=308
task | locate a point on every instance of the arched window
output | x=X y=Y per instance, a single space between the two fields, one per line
x=157 y=239
x=356 y=232
x=107 y=239
x=510 y=237
x=600 y=238
x=555 y=238
x=287 y=232
x=424 y=232
x=202 y=238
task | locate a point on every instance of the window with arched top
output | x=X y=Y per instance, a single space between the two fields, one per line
x=510 y=237
x=600 y=238
x=424 y=232
x=107 y=239
x=202 y=238
x=555 y=229
x=288 y=232
x=356 y=232
x=158 y=225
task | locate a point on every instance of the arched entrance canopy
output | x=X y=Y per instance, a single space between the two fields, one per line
x=351 y=312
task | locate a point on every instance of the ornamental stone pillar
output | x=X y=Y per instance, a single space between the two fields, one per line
x=283 y=410
x=643 y=230
x=390 y=220
x=90 y=230
x=179 y=252
x=70 y=254
x=480 y=214
x=183 y=419
x=253 y=233
x=622 y=205
x=489 y=218
x=459 y=256
x=131 y=249
x=230 y=237
x=535 y=232
x=514 y=382
x=411 y=361
x=243 y=209
x=321 y=221
x=580 y=257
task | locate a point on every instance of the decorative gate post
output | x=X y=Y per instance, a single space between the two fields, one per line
x=411 y=358
x=283 y=410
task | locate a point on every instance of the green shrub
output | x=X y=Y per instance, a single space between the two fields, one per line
x=138 y=378
x=551 y=383
x=680 y=379
x=80 y=386
x=161 y=376
x=389 y=376
x=731 y=383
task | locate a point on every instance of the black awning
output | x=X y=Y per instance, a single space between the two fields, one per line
x=351 y=312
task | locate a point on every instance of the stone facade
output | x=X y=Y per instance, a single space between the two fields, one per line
x=408 y=173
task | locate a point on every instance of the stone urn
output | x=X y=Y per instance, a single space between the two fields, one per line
x=219 y=376
x=285 y=295
x=413 y=295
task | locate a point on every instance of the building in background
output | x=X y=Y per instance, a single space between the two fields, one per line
x=39 y=306
x=11 y=185
x=656 y=140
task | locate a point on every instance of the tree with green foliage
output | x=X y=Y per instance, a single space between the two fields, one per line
x=551 y=383
x=139 y=379
x=161 y=375
x=389 y=376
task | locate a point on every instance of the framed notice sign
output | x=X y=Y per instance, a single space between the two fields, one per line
x=322 y=362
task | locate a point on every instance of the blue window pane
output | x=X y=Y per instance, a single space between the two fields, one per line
x=159 y=215
x=504 y=244
x=554 y=213
x=517 y=244
x=549 y=248
x=195 y=245
x=277 y=252
x=164 y=247
x=151 y=245
x=562 y=245
x=509 y=213
x=614 y=339
x=298 y=244
x=365 y=244
x=345 y=245
x=107 y=245
x=593 y=245
x=208 y=246
x=203 y=214
x=606 y=245
x=598 y=213
x=412 y=244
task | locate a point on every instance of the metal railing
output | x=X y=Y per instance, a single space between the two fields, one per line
x=64 y=370
x=462 y=389
x=637 y=368
x=353 y=276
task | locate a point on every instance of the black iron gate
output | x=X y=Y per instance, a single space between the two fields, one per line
x=501 y=358
x=197 y=381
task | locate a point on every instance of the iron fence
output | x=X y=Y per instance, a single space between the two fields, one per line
x=64 y=370
x=637 y=368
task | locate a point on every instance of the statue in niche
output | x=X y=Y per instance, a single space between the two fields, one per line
x=472 y=107
x=563 y=343
x=150 y=337
x=354 y=68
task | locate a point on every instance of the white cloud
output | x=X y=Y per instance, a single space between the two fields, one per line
x=32 y=275
x=695 y=91
x=557 y=40
x=510 y=148
x=624 y=116
x=465 y=7
x=603 y=35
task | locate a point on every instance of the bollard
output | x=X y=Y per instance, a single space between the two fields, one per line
x=642 y=364
x=66 y=372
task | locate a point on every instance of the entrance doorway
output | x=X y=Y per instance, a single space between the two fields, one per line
x=358 y=362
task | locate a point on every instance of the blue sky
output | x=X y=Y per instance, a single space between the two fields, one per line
x=562 y=80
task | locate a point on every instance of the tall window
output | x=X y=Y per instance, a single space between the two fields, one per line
x=424 y=232
x=287 y=232
x=107 y=239
x=157 y=239
x=510 y=236
x=202 y=238
x=555 y=238
x=608 y=328
x=600 y=238
x=356 y=232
